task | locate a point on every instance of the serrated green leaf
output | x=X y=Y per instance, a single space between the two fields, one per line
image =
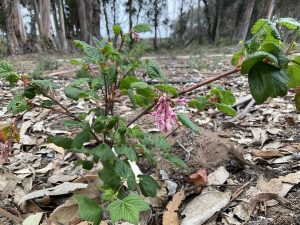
x=200 y=103
x=148 y=185
x=92 y=53
x=17 y=105
x=142 y=28
x=237 y=58
x=267 y=81
x=80 y=139
x=127 y=209
x=297 y=101
x=8 y=73
x=293 y=71
x=227 y=109
x=256 y=57
x=123 y=169
x=289 y=23
x=104 y=152
x=176 y=160
x=74 y=123
x=187 y=122
x=61 y=141
x=154 y=71
x=139 y=85
x=117 y=29
x=128 y=151
x=161 y=143
x=109 y=176
x=29 y=92
x=86 y=164
x=167 y=88
x=277 y=51
x=89 y=210
x=75 y=93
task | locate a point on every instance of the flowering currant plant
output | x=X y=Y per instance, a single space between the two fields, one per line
x=110 y=73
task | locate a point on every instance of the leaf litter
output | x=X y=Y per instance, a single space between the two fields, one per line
x=268 y=136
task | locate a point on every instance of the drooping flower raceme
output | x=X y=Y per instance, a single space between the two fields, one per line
x=164 y=114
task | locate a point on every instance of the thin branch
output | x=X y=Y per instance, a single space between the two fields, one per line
x=184 y=91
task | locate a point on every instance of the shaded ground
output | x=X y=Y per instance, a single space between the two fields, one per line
x=239 y=144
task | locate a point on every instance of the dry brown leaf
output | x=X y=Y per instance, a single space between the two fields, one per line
x=266 y=154
x=199 y=178
x=170 y=216
x=55 y=148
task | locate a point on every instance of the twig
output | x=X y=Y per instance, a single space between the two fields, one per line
x=235 y=195
x=245 y=111
x=184 y=91
x=11 y=216
x=188 y=153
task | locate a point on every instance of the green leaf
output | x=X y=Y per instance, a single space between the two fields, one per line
x=127 y=81
x=139 y=85
x=258 y=25
x=109 y=176
x=227 y=109
x=74 y=123
x=277 y=51
x=237 y=58
x=267 y=81
x=123 y=169
x=167 y=88
x=89 y=210
x=17 y=105
x=8 y=73
x=75 y=93
x=201 y=103
x=80 y=139
x=148 y=185
x=142 y=28
x=293 y=71
x=256 y=57
x=128 y=151
x=176 y=160
x=297 y=101
x=187 y=122
x=92 y=53
x=117 y=29
x=161 y=143
x=127 y=209
x=29 y=92
x=104 y=152
x=154 y=71
x=289 y=23
x=61 y=141
x=87 y=165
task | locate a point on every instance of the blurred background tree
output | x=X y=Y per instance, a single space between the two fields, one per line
x=51 y=25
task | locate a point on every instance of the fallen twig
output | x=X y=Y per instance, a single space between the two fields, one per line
x=245 y=111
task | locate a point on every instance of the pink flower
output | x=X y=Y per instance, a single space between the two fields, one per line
x=164 y=115
x=181 y=101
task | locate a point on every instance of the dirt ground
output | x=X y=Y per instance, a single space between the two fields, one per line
x=262 y=145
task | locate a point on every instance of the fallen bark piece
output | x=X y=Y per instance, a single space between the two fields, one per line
x=61 y=189
x=34 y=219
x=170 y=216
x=267 y=154
x=203 y=207
x=218 y=177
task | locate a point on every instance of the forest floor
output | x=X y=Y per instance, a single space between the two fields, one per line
x=252 y=160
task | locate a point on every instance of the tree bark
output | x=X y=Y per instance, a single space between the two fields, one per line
x=96 y=19
x=216 y=25
x=207 y=15
x=82 y=20
x=45 y=24
x=106 y=20
x=270 y=9
x=155 y=24
x=244 y=26
x=62 y=30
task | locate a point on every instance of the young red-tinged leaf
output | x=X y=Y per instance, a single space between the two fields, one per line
x=9 y=132
x=199 y=178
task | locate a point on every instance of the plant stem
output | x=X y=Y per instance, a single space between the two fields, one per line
x=292 y=42
x=186 y=90
x=67 y=112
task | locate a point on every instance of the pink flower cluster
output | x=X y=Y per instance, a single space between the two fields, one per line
x=164 y=115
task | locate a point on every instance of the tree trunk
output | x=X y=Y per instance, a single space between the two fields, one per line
x=243 y=30
x=207 y=15
x=270 y=9
x=45 y=24
x=155 y=24
x=130 y=14
x=216 y=27
x=12 y=41
x=106 y=20
x=18 y=22
x=62 y=30
x=96 y=19
x=82 y=20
